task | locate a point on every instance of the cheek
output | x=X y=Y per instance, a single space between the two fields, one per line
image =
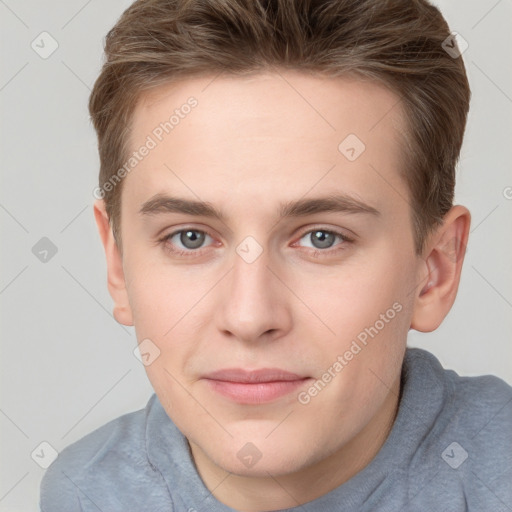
x=351 y=298
x=365 y=311
x=158 y=295
x=152 y=308
x=168 y=312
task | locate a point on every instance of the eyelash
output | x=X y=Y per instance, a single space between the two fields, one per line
x=316 y=252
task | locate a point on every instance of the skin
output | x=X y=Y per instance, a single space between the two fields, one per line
x=250 y=145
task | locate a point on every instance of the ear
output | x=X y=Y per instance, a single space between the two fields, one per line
x=115 y=273
x=440 y=270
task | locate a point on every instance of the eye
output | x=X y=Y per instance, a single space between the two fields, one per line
x=190 y=241
x=186 y=240
x=324 y=239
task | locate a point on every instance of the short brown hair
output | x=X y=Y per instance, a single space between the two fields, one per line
x=398 y=43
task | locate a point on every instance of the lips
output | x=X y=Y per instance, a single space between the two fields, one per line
x=254 y=386
x=253 y=376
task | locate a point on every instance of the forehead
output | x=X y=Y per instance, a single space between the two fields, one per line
x=282 y=132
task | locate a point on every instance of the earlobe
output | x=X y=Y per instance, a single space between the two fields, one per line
x=115 y=274
x=440 y=270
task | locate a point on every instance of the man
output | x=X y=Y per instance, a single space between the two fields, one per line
x=276 y=207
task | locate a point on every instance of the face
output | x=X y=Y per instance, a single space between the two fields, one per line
x=278 y=307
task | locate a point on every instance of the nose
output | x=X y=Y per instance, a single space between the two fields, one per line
x=254 y=304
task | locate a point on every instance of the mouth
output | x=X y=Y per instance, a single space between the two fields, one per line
x=254 y=386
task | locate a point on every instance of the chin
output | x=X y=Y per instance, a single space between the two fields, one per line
x=259 y=459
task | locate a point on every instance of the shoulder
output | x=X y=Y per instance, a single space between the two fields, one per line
x=463 y=393
x=482 y=403
x=113 y=453
x=470 y=405
x=469 y=446
x=481 y=415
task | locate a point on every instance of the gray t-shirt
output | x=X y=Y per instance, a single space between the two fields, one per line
x=450 y=450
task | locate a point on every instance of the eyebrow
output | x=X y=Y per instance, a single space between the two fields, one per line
x=339 y=203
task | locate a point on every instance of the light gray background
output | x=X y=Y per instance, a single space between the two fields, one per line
x=67 y=366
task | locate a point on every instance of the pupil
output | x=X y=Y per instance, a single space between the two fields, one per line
x=322 y=239
x=192 y=239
